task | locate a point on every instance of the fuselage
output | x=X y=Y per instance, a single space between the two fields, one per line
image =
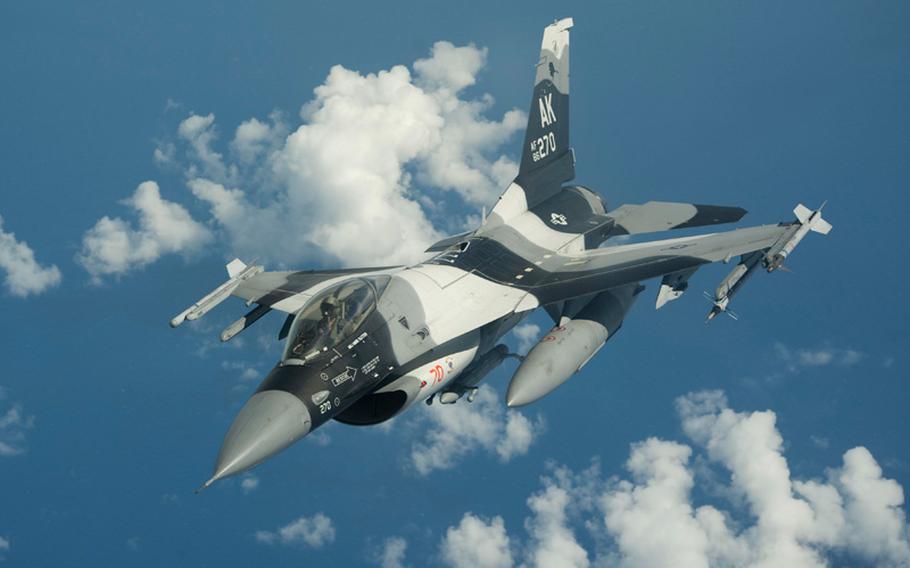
x=415 y=331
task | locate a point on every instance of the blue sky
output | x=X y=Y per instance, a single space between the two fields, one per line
x=110 y=419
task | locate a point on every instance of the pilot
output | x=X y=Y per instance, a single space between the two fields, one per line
x=325 y=330
x=329 y=323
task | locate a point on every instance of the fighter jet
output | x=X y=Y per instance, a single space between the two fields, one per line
x=363 y=345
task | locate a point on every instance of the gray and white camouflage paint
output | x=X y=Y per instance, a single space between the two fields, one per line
x=434 y=328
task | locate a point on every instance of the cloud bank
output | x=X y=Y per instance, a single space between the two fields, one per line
x=24 y=275
x=359 y=182
x=651 y=517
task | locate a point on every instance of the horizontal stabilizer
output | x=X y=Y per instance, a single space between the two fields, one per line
x=655 y=216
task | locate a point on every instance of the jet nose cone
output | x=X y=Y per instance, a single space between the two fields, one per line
x=268 y=423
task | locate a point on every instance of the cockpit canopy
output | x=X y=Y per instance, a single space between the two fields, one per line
x=328 y=319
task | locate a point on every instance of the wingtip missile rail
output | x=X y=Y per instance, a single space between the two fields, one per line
x=807 y=220
x=238 y=272
x=771 y=259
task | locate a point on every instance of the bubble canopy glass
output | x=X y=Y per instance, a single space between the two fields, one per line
x=328 y=319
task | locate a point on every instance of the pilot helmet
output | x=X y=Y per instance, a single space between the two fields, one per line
x=328 y=308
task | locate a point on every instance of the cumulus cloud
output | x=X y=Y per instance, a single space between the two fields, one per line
x=165 y=154
x=14 y=423
x=255 y=139
x=552 y=542
x=476 y=543
x=527 y=335
x=200 y=133
x=356 y=183
x=312 y=532
x=458 y=429
x=4 y=543
x=651 y=518
x=392 y=553
x=114 y=246
x=249 y=483
x=24 y=275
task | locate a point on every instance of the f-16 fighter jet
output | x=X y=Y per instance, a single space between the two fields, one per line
x=364 y=345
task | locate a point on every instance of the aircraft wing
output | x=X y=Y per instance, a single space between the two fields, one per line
x=655 y=216
x=562 y=276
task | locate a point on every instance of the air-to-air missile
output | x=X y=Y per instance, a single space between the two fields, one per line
x=807 y=220
x=732 y=284
x=238 y=271
x=569 y=345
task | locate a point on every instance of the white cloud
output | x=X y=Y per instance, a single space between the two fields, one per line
x=249 y=483
x=656 y=509
x=113 y=246
x=476 y=543
x=200 y=133
x=165 y=154
x=876 y=525
x=820 y=442
x=651 y=519
x=818 y=358
x=348 y=185
x=314 y=532
x=552 y=541
x=4 y=543
x=14 y=423
x=245 y=373
x=254 y=139
x=24 y=275
x=449 y=67
x=461 y=428
x=392 y=553
x=460 y=160
x=796 y=359
x=527 y=335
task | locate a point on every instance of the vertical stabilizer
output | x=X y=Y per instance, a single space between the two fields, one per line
x=547 y=136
